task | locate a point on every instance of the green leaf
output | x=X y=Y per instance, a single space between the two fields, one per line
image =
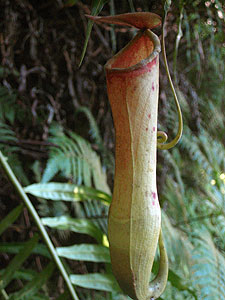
x=97 y=6
x=21 y=274
x=15 y=248
x=66 y=192
x=103 y=282
x=75 y=225
x=85 y=252
x=10 y=218
x=32 y=287
x=17 y=261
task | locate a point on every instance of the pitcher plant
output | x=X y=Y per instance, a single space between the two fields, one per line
x=134 y=222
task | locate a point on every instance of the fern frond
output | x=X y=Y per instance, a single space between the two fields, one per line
x=215 y=117
x=7 y=135
x=190 y=143
x=8 y=146
x=94 y=130
x=209 y=268
x=107 y=157
x=75 y=159
x=178 y=246
x=97 y=212
x=7 y=107
x=214 y=151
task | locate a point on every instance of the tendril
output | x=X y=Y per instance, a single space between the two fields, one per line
x=162 y=136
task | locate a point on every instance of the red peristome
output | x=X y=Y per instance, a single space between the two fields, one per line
x=131 y=73
x=133 y=60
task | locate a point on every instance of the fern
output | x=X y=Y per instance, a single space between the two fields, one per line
x=209 y=269
x=214 y=151
x=74 y=159
x=108 y=160
x=7 y=135
x=178 y=247
x=206 y=158
x=94 y=130
x=190 y=204
x=191 y=144
x=7 y=105
x=98 y=213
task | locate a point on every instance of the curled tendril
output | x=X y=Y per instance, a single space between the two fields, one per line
x=162 y=136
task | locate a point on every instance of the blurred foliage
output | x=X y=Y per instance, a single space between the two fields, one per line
x=56 y=124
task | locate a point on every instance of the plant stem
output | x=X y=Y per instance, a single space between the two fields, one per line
x=39 y=224
x=4 y=294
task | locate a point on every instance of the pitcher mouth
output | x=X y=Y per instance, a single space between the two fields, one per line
x=138 y=53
